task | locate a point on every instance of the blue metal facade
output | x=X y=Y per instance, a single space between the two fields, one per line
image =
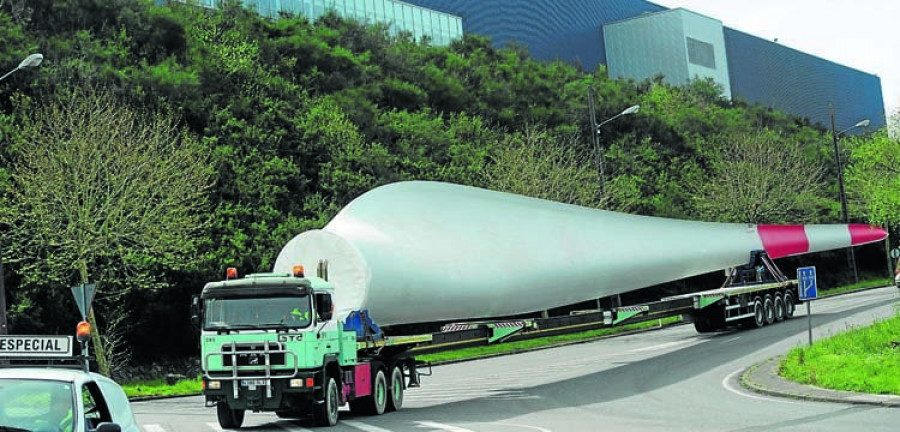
x=760 y=71
x=774 y=75
x=568 y=30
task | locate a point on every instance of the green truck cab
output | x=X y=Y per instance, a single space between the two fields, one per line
x=269 y=342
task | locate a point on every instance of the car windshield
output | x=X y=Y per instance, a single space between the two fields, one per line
x=35 y=405
x=267 y=312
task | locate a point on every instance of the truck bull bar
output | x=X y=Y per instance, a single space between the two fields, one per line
x=267 y=352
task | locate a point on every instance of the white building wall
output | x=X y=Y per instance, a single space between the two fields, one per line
x=642 y=47
x=679 y=44
x=706 y=31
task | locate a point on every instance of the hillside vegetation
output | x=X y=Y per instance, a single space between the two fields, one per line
x=277 y=124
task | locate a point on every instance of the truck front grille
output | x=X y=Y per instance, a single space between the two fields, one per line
x=254 y=354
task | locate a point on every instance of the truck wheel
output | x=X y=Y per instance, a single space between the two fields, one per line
x=769 y=308
x=229 y=418
x=376 y=403
x=788 y=305
x=779 y=307
x=395 y=402
x=759 y=314
x=326 y=413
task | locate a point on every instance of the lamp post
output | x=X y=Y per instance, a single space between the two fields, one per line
x=851 y=254
x=30 y=61
x=599 y=158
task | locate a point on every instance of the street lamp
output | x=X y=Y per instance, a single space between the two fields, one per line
x=30 y=61
x=627 y=111
x=851 y=254
x=630 y=110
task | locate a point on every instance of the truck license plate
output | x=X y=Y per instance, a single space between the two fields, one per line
x=252 y=383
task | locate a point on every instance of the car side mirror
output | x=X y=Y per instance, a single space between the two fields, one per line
x=324 y=306
x=195 y=311
x=108 y=427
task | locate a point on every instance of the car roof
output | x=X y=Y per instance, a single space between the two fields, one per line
x=75 y=376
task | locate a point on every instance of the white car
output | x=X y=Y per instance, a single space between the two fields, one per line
x=57 y=399
x=897 y=280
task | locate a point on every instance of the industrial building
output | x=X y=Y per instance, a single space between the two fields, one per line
x=634 y=39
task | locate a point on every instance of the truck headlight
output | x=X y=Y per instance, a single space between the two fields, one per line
x=214 y=385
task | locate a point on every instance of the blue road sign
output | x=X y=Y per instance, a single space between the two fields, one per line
x=806 y=277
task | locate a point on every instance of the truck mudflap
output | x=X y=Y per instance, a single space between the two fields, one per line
x=255 y=359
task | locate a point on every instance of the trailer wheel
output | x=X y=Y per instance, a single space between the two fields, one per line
x=769 y=308
x=788 y=305
x=395 y=402
x=376 y=403
x=326 y=412
x=229 y=418
x=759 y=315
x=701 y=324
x=779 y=307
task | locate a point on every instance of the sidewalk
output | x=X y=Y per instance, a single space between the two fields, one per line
x=763 y=378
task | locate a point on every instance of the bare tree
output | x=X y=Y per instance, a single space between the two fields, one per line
x=534 y=163
x=760 y=178
x=104 y=194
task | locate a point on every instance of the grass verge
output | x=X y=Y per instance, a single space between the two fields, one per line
x=159 y=387
x=861 y=285
x=864 y=359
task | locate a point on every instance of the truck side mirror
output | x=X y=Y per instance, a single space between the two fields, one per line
x=324 y=306
x=195 y=311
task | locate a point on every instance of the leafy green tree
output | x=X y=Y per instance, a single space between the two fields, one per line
x=873 y=178
x=105 y=194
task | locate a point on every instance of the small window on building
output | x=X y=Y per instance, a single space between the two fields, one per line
x=701 y=53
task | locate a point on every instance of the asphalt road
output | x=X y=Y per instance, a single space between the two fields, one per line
x=665 y=380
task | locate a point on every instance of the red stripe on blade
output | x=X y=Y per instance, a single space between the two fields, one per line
x=783 y=240
x=861 y=234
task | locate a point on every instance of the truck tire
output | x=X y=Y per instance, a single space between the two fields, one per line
x=788 y=305
x=326 y=412
x=769 y=309
x=779 y=307
x=759 y=315
x=229 y=418
x=701 y=325
x=395 y=401
x=376 y=403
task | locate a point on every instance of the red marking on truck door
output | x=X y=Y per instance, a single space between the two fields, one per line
x=860 y=233
x=783 y=240
x=363 y=379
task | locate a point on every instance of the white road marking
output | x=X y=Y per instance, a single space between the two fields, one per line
x=520 y=426
x=363 y=426
x=441 y=426
x=215 y=427
x=153 y=428
x=733 y=339
x=727 y=384
x=661 y=346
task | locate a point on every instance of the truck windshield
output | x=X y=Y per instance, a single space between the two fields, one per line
x=35 y=404
x=256 y=312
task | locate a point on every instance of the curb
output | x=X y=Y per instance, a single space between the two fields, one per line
x=764 y=378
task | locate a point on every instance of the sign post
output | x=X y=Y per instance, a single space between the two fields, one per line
x=806 y=278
